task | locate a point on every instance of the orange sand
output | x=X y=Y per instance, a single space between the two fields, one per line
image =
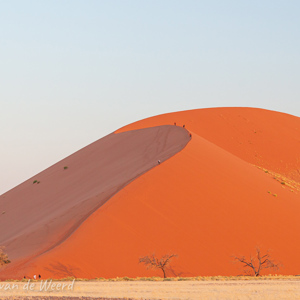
x=206 y=203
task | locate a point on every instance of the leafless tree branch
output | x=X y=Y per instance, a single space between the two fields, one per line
x=153 y=262
x=258 y=262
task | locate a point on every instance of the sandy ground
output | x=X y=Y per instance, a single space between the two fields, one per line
x=183 y=290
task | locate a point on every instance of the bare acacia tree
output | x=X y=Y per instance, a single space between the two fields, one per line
x=258 y=262
x=152 y=262
x=3 y=257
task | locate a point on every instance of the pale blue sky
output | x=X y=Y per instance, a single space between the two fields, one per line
x=74 y=71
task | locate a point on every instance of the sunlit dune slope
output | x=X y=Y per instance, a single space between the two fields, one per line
x=233 y=187
x=261 y=137
x=43 y=211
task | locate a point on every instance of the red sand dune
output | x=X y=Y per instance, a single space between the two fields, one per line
x=234 y=186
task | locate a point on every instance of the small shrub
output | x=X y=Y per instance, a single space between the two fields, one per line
x=127 y=279
x=35 y=181
x=3 y=257
x=65 y=167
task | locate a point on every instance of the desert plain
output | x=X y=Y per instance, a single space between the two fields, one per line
x=172 y=290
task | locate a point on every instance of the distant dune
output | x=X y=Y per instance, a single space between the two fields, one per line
x=232 y=186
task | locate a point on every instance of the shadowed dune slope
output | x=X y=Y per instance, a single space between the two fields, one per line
x=210 y=201
x=38 y=216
